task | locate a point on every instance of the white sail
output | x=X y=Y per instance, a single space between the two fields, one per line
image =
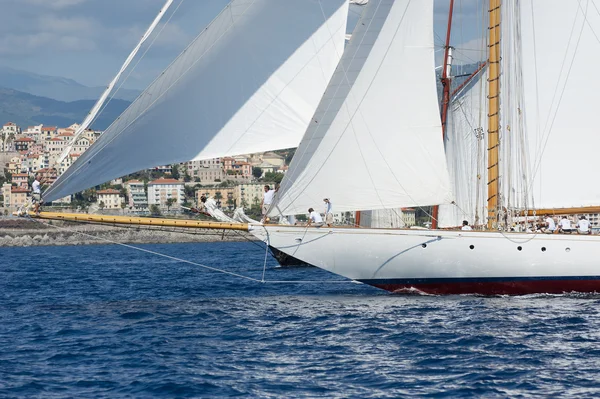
x=96 y=108
x=375 y=141
x=250 y=82
x=561 y=53
x=382 y=219
x=466 y=155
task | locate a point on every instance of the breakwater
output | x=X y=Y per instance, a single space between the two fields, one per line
x=26 y=233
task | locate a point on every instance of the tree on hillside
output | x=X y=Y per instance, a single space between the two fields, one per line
x=256 y=172
x=101 y=205
x=154 y=210
x=123 y=206
x=289 y=156
x=273 y=177
x=175 y=172
x=170 y=202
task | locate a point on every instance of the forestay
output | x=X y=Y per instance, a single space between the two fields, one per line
x=375 y=141
x=561 y=53
x=249 y=83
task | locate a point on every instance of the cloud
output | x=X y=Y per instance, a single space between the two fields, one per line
x=53 y=4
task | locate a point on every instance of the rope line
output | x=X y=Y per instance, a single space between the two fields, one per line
x=215 y=269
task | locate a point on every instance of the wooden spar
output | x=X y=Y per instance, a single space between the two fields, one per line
x=493 y=111
x=445 y=98
x=141 y=221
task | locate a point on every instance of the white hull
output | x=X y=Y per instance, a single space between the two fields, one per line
x=446 y=262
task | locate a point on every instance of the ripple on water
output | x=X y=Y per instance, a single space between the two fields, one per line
x=108 y=322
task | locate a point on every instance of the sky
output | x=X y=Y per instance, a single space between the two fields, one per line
x=88 y=40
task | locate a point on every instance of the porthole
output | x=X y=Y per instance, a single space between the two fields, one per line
x=424 y=245
x=543 y=249
x=472 y=246
x=519 y=248
x=567 y=249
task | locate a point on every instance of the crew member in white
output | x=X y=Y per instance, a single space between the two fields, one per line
x=466 y=226
x=36 y=186
x=583 y=226
x=565 y=225
x=266 y=202
x=550 y=225
x=314 y=218
x=328 y=212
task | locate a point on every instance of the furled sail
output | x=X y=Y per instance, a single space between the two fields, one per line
x=375 y=141
x=465 y=143
x=561 y=52
x=249 y=83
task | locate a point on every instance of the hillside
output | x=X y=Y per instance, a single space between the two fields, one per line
x=57 y=88
x=25 y=110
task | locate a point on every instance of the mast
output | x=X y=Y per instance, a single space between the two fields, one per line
x=446 y=94
x=493 y=110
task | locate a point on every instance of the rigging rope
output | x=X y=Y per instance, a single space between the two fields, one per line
x=214 y=269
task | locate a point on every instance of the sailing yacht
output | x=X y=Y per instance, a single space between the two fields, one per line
x=372 y=137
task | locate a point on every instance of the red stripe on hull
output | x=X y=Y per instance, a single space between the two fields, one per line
x=497 y=287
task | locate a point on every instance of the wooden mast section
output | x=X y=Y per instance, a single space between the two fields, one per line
x=446 y=97
x=493 y=111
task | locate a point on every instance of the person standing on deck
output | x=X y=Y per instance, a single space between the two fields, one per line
x=36 y=187
x=466 y=226
x=328 y=212
x=267 y=201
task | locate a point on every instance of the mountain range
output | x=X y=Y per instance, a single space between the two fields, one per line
x=31 y=99
x=55 y=87
x=25 y=109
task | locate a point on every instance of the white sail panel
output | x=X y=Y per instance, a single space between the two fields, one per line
x=375 y=141
x=466 y=150
x=561 y=53
x=250 y=82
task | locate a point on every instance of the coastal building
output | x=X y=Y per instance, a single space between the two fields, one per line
x=18 y=196
x=6 y=187
x=224 y=196
x=20 y=180
x=409 y=217
x=33 y=132
x=273 y=159
x=161 y=190
x=48 y=132
x=136 y=195
x=247 y=195
x=14 y=165
x=48 y=175
x=111 y=198
x=23 y=143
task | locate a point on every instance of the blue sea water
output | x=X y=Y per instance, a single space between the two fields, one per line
x=111 y=322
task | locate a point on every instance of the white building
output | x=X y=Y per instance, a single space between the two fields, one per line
x=161 y=190
x=110 y=198
x=137 y=194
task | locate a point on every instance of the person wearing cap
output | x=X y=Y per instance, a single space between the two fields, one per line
x=583 y=226
x=314 y=218
x=328 y=212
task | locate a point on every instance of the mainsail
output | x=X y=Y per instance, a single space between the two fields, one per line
x=560 y=53
x=249 y=83
x=375 y=141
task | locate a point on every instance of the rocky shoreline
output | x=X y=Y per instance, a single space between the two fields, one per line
x=26 y=233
